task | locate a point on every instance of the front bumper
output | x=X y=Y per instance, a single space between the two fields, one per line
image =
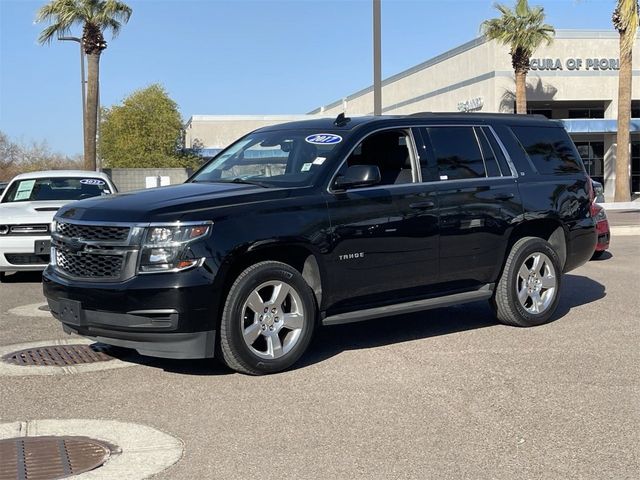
x=23 y=248
x=170 y=315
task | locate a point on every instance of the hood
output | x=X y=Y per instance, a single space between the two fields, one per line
x=174 y=203
x=29 y=212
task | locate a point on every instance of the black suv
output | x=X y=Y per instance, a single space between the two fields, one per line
x=325 y=222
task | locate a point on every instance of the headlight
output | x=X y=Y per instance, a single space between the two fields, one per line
x=601 y=215
x=164 y=247
x=4 y=229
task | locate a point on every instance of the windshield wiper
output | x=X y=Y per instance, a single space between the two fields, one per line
x=234 y=180
x=247 y=181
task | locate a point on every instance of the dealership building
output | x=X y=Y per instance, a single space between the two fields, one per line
x=575 y=79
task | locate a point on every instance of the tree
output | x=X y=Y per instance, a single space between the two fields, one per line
x=18 y=158
x=625 y=19
x=95 y=16
x=523 y=30
x=144 y=131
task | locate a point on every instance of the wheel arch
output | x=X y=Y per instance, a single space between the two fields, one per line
x=549 y=229
x=297 y=255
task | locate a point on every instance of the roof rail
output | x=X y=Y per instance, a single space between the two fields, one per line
x=418 y=114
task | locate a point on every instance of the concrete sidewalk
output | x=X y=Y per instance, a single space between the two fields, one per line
x=635 y=205
x=625 y=230
x=624 y=222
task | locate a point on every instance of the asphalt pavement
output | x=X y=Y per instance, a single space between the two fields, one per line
x=446 y=394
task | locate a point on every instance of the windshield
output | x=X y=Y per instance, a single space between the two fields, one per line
x=58 y=188
x=280 y=158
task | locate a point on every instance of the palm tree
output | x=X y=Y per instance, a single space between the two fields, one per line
x=95 y=16
x=523 y=30
x=625 y=19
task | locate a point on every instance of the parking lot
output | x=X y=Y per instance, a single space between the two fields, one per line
x=442 y=394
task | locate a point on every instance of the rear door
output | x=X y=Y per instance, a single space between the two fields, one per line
x=478 y=201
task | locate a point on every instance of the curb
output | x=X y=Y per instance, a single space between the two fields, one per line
x=625 y=231
x=620 y=205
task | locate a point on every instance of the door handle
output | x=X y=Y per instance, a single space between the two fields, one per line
x=503 y=196
x=422 y=205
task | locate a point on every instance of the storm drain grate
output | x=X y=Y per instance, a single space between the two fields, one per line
x=58 y=355
x=50 y=458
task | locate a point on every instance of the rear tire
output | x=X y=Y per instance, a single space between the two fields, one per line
x=2 y=277
x=268 y=319
x=528 y=291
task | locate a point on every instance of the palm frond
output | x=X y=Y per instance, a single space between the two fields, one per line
x=61 y=14
x=51 y=32
x=625 y=20
x=110 y=14
x=522 y=28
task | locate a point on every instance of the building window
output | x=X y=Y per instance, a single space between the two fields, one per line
x=635 y=167
x=635 y=112
x=546 y=113
x=592 y=154
x=586 y=113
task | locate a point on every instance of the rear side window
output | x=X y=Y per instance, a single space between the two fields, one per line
x=457 y=152
x=490 y=162
x=550 y=149
x=497 y=151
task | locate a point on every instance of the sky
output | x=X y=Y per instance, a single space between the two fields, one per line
x=223 y=57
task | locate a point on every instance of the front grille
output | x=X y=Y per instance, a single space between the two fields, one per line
x=28 y=229
x=93 y=232
x=26 y=259
x=89 y=265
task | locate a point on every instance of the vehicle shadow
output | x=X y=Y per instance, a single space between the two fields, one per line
x=577 y=290
x=330 y=341
x=205 y=366
x=23 y=277
x=606 y=255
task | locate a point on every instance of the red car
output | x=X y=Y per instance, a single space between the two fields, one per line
x=602 y=227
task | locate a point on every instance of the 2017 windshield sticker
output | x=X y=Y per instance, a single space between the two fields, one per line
x=91 y=181
x=323 y=139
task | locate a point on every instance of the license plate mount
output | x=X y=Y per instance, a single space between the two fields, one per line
x=71 y=312
x=42 y=247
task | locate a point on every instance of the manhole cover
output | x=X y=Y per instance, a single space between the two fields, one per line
x=58 y=355
x=49 y=458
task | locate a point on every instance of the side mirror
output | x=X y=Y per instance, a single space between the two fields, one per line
x=358 y=176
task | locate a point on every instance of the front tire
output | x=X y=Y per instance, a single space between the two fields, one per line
x=268 y=319
x=528 y=291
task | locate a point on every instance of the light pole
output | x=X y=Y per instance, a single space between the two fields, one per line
x=82 y=80
x=377 y=54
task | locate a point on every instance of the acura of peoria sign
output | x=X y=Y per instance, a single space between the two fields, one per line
x=575 y=64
